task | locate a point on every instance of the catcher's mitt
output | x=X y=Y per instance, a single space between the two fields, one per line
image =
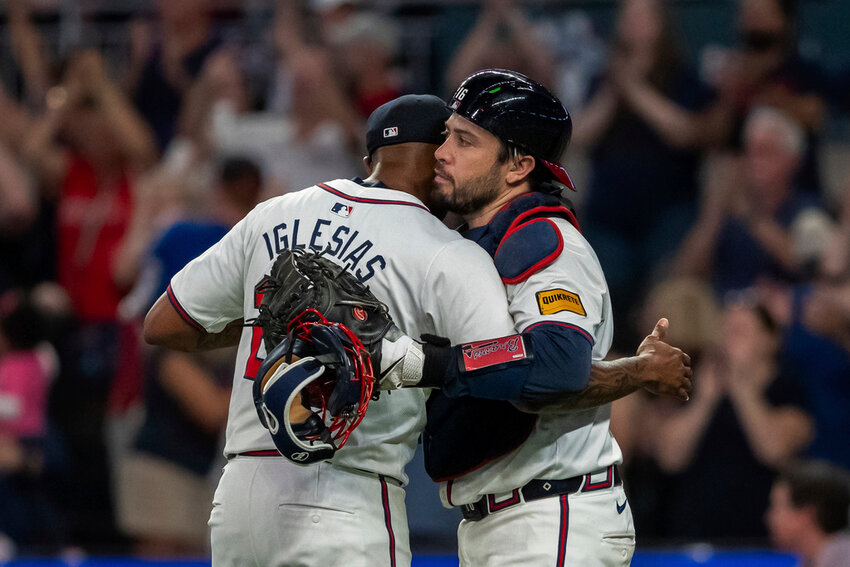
x=302 y=280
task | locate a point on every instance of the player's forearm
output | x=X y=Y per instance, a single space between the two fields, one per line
x=609 y=381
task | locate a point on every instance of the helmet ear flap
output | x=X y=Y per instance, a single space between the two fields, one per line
x=306 y=442
x=276 y=357
x=332 y=384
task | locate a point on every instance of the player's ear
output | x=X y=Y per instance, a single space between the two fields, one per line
x=367 y=163
x=521 y=167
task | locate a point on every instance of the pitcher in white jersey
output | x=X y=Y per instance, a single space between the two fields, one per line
x=348 y=511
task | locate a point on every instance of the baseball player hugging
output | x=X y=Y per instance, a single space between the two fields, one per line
x=517 y=432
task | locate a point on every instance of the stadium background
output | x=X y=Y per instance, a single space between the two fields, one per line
x=422 y=39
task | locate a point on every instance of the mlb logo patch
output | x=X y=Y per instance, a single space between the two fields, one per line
x=391 y=132
x=341 y=209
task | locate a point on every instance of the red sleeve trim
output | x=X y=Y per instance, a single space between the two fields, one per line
x=182 y=312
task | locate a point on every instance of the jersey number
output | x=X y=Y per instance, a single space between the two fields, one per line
x=254 y=360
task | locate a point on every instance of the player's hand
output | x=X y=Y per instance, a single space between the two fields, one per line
x=666 y=370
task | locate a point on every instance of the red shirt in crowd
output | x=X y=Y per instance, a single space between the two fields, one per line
x=91 y=224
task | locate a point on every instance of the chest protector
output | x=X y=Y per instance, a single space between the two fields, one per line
x=463 y=434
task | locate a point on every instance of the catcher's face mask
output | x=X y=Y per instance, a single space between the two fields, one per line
x=312 y=404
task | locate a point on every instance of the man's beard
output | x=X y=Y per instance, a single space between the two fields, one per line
x=470 y=197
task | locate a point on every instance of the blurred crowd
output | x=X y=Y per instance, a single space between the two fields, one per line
x=706 y=191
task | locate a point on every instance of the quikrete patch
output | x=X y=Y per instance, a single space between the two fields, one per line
x=557 y=300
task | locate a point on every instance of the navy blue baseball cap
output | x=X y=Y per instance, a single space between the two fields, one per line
x=408 y=118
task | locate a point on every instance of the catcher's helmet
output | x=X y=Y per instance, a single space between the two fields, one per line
x=334 y=384
x=520 y=112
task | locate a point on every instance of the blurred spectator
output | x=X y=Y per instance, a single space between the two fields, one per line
x=502 y=38
x=643 y=169
x=809 y=511
x=18 y=200
x=237 y=188
x=835 y=263
x=745 y=226
x=768 y=71
x=365 y=49
x=87 y=151
x=27 y=367
x=163 y=68
x=30 y=53
x=746 y=417
x=816 y=351
x=26 y=242
x=320 y=137
x=694 y=316
x=165 y=491
x=579 y=53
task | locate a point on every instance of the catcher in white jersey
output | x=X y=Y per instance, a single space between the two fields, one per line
x=267 y=510
x=556 y=498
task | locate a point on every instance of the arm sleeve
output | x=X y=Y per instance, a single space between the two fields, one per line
x=558 y=362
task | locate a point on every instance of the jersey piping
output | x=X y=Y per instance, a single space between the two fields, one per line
x=182 y=312
x=339 y=193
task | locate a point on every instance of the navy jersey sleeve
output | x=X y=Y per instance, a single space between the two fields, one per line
x=557 y=362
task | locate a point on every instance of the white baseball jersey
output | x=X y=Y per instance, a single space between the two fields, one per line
x=591 y=527
x=571 y=291
x=388 y=239
x=432 y=280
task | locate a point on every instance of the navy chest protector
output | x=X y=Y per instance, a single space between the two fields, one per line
x=465 y=433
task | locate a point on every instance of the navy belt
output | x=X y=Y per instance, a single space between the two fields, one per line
x=539 y=488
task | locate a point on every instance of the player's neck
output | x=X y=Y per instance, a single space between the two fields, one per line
x=486 y=213
x=404 y=175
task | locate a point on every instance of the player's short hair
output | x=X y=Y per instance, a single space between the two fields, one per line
x=540 y=178
x=823 y=486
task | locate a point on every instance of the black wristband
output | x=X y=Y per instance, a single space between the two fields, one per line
x=438 y=356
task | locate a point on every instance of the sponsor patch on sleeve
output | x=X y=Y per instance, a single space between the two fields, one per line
x=556 y=300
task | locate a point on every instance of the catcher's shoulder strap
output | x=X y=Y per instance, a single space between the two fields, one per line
x=529 y=239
